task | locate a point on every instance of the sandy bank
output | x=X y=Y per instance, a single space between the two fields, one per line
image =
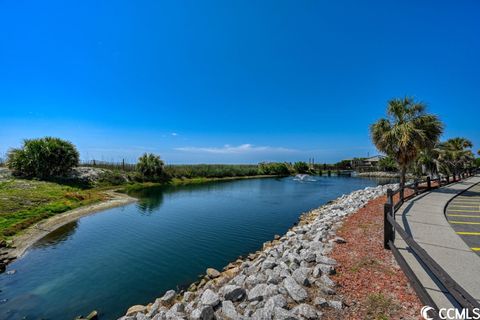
x=34 y=233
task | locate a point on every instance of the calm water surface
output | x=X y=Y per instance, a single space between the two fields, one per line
x=130 y=255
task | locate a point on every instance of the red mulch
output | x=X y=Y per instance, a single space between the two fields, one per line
x=371 y=283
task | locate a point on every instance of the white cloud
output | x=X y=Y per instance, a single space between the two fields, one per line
x=174 y=134
x=241 y=149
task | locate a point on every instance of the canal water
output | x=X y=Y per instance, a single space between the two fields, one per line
x=131 y=255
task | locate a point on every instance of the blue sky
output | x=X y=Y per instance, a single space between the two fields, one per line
x=232 y=81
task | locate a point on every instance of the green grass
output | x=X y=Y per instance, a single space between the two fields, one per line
x=25 y=202
x=380 y=307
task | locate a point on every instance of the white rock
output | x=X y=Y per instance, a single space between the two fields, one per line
x=276 y=301
x=283 y=314
x=168 y=297
x=306 y=311
x=301 y=276
x=257 y=293
x=209 y=298
x=335 y=304
x=228 y=310
x=294 y=289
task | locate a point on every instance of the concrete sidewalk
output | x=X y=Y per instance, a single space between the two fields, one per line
x=424 y=219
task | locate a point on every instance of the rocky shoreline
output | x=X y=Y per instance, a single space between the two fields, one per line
x=378 y=174
x=287 y=279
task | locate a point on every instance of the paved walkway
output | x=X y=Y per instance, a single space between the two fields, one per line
x=463 y=214
x=424 y=219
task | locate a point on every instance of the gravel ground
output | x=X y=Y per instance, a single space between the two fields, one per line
x=368 y=278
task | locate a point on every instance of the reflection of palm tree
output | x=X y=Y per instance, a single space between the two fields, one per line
x=405 y=132
x=150 y=199
x=454 y=155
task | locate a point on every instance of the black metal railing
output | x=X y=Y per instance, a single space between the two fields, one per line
x=395 y=199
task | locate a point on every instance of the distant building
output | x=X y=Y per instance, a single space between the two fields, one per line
x=365 y=164
x=372 y=161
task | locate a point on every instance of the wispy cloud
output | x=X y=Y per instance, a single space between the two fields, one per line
x=241 y=149
x=174 y=134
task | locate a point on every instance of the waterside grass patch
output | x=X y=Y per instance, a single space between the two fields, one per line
x=25 y=202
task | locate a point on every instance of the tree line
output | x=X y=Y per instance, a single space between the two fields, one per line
x=49 y=157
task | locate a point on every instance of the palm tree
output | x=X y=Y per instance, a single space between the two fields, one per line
x=455 y=155
x=150 y=167
x=426 y=162
x=405 y=132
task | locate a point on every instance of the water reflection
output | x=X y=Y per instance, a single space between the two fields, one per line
x=60 y=235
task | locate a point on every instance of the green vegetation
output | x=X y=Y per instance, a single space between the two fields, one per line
x=151 y=168
x=25 y=202
x=212 y=170
x=344 y=165
x=387 y=164
x=406 y=131
x=274 y=168
x=454 y=156
x=380 y=307
x=43 y=158
x=301 y=167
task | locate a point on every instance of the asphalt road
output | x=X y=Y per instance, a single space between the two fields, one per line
x=463 y=214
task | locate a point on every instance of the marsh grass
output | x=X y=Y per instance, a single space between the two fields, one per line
x=212 y=170
x=185 y=170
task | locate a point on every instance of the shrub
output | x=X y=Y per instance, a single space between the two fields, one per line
x=43 y=158
x=301 y=167
x=274 y=168
x=150 y=167
x=114 y=177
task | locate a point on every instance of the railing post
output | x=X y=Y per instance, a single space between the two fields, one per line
x=415 y=187
x=429 y=183
x=388 y=234
x=448 y=179
x=387 y=226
